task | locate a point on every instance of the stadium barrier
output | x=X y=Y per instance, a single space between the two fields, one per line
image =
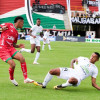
x=59 y=35
x=52 y=38
x=70 y=38
x=95 y=40
x=54 y=32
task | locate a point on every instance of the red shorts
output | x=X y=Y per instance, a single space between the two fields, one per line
x=7 y=53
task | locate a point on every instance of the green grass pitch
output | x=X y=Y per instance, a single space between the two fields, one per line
x=61 y=56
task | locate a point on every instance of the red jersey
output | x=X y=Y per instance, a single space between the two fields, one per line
x=9 y=36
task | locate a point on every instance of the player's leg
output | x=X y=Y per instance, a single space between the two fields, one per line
x=37 y=55
x=49 y=76
x=6 y=57
x=70 y=75
x=38 y=51
x=70 y=82
x=11 y=71
x=32 y=42
x=28 y=50
x=44 y=43
x=49 y=44
x=19 y=57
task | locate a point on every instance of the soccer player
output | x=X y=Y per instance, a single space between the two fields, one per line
x=74 y=75
x=46 y=39
x=8 y=52
x=35 y=33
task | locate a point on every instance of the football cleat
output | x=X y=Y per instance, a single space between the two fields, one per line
x=35 y=63
x=27 y=80
x=39 y=84
x=58 y=87
x=14 y=82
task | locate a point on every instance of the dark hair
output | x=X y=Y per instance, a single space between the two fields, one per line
x=38 y=18
x=97 y=54
x=17 y=18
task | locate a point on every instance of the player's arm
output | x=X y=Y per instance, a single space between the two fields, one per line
x=3 y=28
x=30 y=33
x=73 y=61
x=41 y=34
x=19 y=46
x=93 y=80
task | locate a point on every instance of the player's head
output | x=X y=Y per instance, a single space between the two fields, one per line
x=94 y=57
x=38 y=21
x=19 y=21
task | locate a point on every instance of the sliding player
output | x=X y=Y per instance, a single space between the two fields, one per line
x=8 y=52
x=74 y=75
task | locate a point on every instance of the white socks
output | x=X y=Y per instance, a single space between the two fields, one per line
x=43 y=47
x=66 y=84
x=47 y=79
x=26 y=50
x=37 y=56
x=49 y=47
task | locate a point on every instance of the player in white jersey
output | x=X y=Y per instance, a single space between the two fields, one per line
x=35 y=33
x=46 y=39
x=74 y=75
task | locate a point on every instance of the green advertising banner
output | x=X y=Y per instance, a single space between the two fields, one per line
x=92 y=40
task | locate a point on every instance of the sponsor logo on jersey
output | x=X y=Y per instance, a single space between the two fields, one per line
x=11 y=38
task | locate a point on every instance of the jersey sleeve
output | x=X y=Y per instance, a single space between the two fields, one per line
x=95 y=73
x=79 y=58
x=5 y=24
x=41 y=29
x=1 y=25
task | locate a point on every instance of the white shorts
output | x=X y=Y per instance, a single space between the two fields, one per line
x=67 y=73
x=35 y=41
x=47 y=41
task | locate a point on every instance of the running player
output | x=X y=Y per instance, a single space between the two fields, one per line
x=8 y=52
x=35 y=32
x=74 y=75
x=46 y=39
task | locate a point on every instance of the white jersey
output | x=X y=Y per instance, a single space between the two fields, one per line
x=36 y=30
x=85 y=68
x=46 y=35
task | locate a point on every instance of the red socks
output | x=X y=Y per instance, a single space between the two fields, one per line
x=24 y=69
x=11 y=73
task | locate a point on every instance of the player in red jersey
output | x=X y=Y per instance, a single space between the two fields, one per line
x=8 y=52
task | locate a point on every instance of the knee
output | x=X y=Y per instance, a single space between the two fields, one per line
x=38 y=50
x=54 y=72
x=12 y=64
x=51 y=72
x=22 y=59
x=32 y=51
x=73 y=81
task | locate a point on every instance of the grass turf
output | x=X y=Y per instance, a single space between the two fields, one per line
x=61 y=56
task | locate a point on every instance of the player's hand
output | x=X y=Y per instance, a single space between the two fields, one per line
x=4 y=28
x=34 y=36
x=21 y=46
x=44 y=39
